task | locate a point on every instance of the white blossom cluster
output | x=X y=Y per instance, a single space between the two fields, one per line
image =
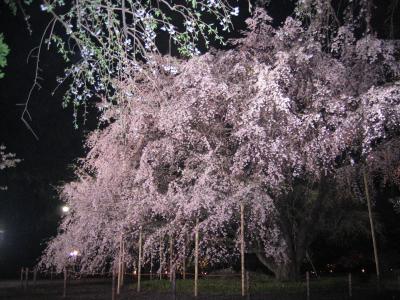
x=111 y=35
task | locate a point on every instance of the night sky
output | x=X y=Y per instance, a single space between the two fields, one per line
x=30 y=210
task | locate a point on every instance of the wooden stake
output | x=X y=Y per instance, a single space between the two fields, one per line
x=22 y=277
x=119 y=267
x=161 y=257
x=311 y=263
x=371 y=222
x=26 y=277
x=34 y=275
x=51 y=274
x=139 y=260
x=308 y=285
x=123 y=264
x=65 y=283
x=184 y=261
x=242 y=248
x=248 y=285
x=196 y=258
x=113 y=284
x=173 y=284
x=151 y=264
x=350 y=287
x=171 y=249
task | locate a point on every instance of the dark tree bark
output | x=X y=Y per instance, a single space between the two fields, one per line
x=298 y=231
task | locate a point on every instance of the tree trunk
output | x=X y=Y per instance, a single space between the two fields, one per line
x=298 y=235
x=285 y=271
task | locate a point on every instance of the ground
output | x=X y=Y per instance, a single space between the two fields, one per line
x=332 y=288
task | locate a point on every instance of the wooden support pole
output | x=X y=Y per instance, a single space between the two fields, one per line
x=34 y=276
x=151 y=264
x=350 y=286
x=311 y=263
x=184 y=261
x=371 y=222
x=171 y=250
x=308 y=285
x=51 y=274
x=173 y=284
x=123 y=264
x=26 y=277
x=65 y=283
x=242 y=267
x=139 y=260
x=119 y=267
x=248 y=285
x=22 y=276
x=161 y=257
x=113 y=296
x=196 y=258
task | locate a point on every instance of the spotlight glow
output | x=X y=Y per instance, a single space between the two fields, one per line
x=74 y=253
x=65 y=209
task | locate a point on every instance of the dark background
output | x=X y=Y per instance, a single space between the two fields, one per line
x=30 y=210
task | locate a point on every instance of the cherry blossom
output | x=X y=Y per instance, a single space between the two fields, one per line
x=226 y=128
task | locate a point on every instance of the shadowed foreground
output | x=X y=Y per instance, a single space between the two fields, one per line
x=218 y=289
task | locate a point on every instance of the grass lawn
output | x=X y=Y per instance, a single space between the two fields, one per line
x=210 y=288
x=260 y=284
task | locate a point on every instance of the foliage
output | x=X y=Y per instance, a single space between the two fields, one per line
x=7 y=160
x=4 y=50
x=113 y=38
x=196 y=139
x=15 y=4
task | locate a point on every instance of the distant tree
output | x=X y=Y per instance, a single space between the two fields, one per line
x=7 y=160
x=13 y=5
x=4 y=50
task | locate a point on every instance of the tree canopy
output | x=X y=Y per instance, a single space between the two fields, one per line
x=197 y=139
x=104 y=42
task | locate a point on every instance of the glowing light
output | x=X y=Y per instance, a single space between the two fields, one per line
x=134 y=272
x=363 y=270
x=65 y=209
x=74 y=253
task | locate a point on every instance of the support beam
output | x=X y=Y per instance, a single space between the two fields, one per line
x=242 y=248
x=139 y=260
x=196 y=258
x=119 y=266
x=161 y=257
x=371 y=222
